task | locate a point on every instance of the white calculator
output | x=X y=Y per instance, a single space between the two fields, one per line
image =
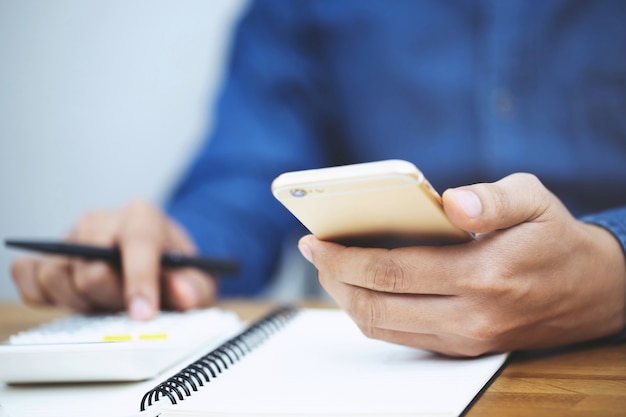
x=80 y=348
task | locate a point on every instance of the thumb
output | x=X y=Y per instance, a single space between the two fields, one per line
x=318 y=252
x=482 y=208
x=306 y=244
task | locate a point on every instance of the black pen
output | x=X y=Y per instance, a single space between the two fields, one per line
x=112 y=255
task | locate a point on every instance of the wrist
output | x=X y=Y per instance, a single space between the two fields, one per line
x=611 y=268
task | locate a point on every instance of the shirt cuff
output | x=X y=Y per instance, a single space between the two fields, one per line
x=612 y=220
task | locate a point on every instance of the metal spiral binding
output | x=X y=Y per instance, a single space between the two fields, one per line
x=209 y=366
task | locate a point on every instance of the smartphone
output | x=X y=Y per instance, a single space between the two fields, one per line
x=375 y=204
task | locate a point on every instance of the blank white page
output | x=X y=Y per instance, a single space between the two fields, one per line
x=322 y=365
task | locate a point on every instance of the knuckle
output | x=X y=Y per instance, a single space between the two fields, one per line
x=49 y=275
x=482 y=329
x=531 y=179
x=485 y=331
x=141 y=222
x=501 y=195
x=138 y=236
x=494 y=283
x=139 y=207
x=93 y=226
x=21 y=268
x=91 y=276
x=501 y=201
x=32 y=297
x=385 y=274
x=490 y=318
x=366 y=309
x=25 y=279
x=86 y=221
x=369 y=331
x=536 y=191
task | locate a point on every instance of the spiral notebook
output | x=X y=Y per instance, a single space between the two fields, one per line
x=292 y=362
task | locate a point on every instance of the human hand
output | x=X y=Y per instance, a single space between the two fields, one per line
x=535 y=277
x=142 y=232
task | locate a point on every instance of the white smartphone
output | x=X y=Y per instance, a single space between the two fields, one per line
x=376 y=204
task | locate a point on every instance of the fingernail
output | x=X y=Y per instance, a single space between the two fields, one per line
x=140 y=309
x=306 y=252
x=469 y=202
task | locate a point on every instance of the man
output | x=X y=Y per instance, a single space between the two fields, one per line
x=524 y=100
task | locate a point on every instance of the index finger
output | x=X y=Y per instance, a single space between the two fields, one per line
x=141 y=240
x=411 y=270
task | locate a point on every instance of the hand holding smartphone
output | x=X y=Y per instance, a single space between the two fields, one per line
x=375 y=204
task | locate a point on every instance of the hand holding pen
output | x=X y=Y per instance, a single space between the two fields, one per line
x=140 y=269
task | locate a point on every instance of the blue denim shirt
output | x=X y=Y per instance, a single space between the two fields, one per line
x=469 y=91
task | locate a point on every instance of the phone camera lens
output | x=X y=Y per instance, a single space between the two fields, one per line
x=298 y=192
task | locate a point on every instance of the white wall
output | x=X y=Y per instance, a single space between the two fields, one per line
x=100 y=102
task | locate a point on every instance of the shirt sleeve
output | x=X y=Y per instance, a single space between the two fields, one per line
x=269 y=119
x=615 y=222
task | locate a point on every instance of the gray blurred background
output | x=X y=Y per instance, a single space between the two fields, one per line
x=100 y=102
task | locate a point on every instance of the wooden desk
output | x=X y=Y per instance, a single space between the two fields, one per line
x=588 y=380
